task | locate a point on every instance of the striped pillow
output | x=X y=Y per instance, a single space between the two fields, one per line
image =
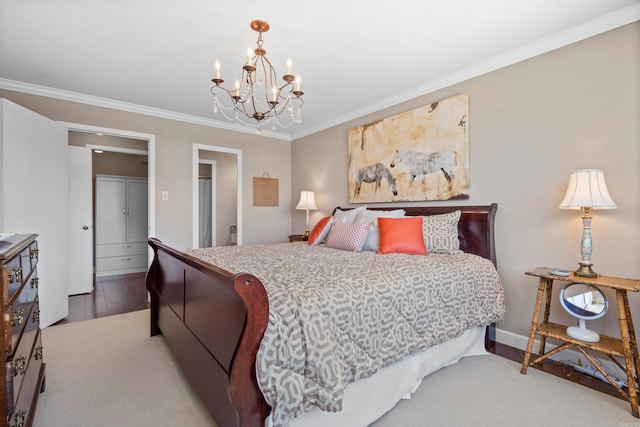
x=348 y=237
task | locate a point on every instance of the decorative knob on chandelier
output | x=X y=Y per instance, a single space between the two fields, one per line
x=258 y=95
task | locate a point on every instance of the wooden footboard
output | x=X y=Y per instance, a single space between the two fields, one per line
x=213 y=321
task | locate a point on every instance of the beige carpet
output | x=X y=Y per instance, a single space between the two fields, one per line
x=109 y=372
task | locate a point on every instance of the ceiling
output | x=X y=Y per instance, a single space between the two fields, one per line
x=354 y=57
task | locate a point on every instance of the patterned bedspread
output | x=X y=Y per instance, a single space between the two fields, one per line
x=337 y=316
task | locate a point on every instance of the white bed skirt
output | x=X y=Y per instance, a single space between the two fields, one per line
x=368 y=399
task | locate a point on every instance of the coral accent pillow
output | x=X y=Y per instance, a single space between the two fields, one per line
x=320 y=230
x=371 y=217
x=401 y=235
x=348 y=237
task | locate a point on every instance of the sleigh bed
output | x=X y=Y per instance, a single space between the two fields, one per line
x=236 y=335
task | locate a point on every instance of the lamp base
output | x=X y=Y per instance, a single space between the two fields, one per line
x=306 y=233
x=585 y=271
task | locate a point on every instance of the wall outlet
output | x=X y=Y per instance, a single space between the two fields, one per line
x=165 y=196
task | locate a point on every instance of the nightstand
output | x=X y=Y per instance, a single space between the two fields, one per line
x=624 y=347
x=298 y=238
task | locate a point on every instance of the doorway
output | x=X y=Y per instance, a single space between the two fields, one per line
x=207 y=203
x=225 y=166
x=143 y=153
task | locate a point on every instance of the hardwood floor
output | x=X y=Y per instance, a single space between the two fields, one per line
x=559 y=369
x=112 y=295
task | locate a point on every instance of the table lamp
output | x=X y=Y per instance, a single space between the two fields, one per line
x=588 y=191
x=308 y=203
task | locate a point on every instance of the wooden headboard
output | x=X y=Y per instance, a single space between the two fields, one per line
x=475 y=228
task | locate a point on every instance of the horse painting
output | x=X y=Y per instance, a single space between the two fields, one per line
x=375 y=173
x=421 y=164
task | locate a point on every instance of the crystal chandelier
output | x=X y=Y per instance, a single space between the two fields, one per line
x=258 y=95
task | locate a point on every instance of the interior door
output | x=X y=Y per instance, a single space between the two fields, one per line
x=80 y=221
x=111 y=208
x=137 y=211
x=37 y=200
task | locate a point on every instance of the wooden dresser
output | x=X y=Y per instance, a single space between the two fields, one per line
x=22 y=377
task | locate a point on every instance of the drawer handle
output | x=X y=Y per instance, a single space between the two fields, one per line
x=18 y=418
x=126 y=259
x=19 y=366
x=34 y=282
x=17 y=317
x=126 y=246
x=36 y=316
x=15 y=274
x=33 y=253
x=38 y=352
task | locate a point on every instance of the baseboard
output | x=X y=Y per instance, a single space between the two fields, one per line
x=568 y=356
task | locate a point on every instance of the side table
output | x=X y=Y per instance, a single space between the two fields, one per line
x=625 y=346
x=298 y=238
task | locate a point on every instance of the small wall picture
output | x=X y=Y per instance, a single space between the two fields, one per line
x=418 y=155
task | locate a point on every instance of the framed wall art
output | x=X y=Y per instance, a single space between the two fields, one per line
x=418 y=155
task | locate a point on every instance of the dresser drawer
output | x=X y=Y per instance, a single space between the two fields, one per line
x=18 y=366
x=121 y=262
x=121 y=249
x=17 y=314
x=19 y=269
x=29 y=259
x=22 y=412
x=13 y=277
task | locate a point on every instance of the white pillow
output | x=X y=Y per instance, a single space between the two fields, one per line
x=440 y=233
x=370 y=216
x=348 y=217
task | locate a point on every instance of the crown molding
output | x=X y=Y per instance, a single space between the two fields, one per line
x=81 y=98
x=580 y=32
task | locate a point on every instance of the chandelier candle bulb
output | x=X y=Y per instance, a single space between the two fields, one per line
x=217 y=66
x=289 y=63
x=298 y=80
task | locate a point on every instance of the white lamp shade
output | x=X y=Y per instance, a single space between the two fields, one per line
x=587 y=189
x=307 y=201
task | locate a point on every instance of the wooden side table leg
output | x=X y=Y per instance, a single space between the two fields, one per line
x=630 y=355
x=542 y=287
x=545 y=317
x=632 y=337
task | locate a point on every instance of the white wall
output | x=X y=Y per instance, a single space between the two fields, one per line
x=530 y=125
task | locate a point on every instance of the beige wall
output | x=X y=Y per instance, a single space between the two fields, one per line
x=174 y=141
x=531 y=124
x=120 y=164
